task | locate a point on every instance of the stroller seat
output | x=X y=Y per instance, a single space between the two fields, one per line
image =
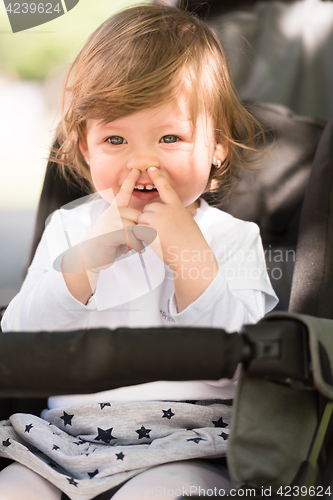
x=222 y=353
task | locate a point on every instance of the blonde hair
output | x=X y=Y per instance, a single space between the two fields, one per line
x=144 y=57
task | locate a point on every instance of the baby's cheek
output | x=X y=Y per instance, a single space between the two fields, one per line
x=104 y=184
x=195 y=188
x=100 y=173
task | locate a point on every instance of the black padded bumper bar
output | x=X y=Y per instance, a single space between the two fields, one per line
x=87 y=361
x=94 y=360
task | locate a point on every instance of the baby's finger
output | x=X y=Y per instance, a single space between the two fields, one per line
x=145 y=233
x=131 y=240
x=149 y=236
x=126 y=241
x=166 y=192
x=101 y=250
x=124 y=196
x=129 y=215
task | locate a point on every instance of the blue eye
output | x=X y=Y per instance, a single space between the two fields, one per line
x=116 y=140
x=170 y=139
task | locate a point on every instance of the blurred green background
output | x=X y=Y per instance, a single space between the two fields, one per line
x=36 y=53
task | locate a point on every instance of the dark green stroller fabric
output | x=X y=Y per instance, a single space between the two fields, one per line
x=274 y=424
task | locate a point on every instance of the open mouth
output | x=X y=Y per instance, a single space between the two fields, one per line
x=145 y=193
x=145 y=189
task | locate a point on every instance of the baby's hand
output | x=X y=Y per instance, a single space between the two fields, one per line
x=184 y=247
x=175 y=226
x=112 y=234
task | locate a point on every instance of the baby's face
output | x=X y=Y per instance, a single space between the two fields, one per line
x=163 y=137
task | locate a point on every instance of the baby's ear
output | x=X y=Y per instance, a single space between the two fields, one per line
x=220 y=152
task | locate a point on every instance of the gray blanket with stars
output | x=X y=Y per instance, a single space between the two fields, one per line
x=85 y=450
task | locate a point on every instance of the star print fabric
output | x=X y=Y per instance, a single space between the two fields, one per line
x=85 y=450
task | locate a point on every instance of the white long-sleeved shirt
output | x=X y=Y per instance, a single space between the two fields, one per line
x=138 y=291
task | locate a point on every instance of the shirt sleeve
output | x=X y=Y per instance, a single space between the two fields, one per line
x=44 y=301
x=219 y=307
x=241 y=293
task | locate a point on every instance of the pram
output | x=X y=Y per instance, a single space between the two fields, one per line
x=277 y=363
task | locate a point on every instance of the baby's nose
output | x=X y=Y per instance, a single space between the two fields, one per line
x=142 y=162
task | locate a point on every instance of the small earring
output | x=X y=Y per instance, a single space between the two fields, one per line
x=218 y=164
x=88 y=162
